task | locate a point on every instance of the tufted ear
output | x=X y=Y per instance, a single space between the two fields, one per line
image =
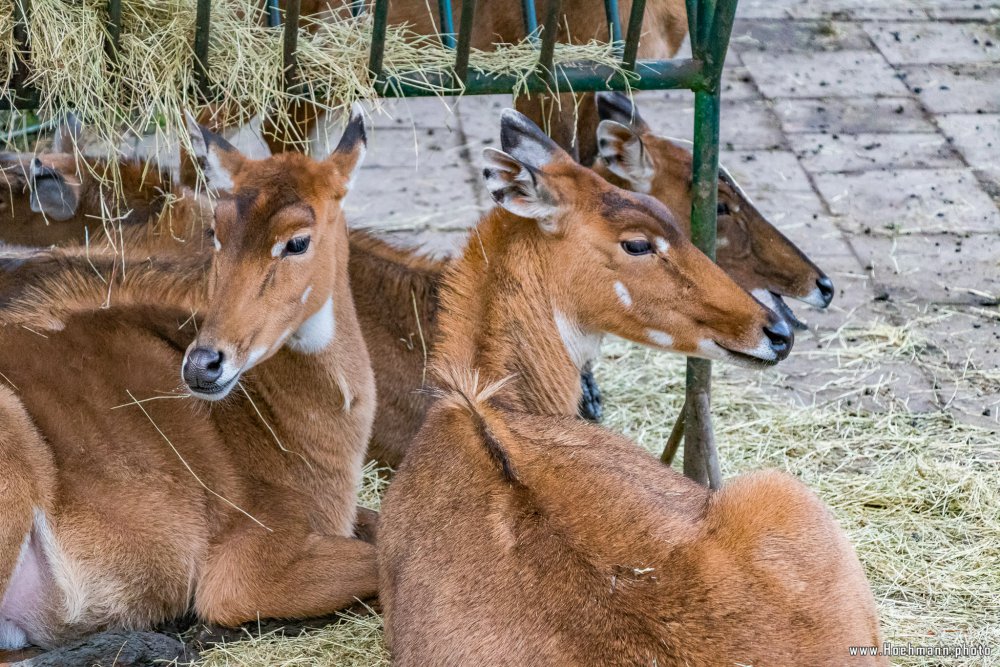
x=525 y=142
x=620 y=108
x=622 y=150
x=353 y=146
x=519 y=188
x=53 y=194
x=220 y=161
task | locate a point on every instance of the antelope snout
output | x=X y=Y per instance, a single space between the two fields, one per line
x=779 y=336
x=202 y=370
x=825 y=287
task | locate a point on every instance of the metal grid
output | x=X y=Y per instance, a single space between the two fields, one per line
x=709 y=24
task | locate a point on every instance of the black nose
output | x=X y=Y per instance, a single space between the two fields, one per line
x=203 y=367
x=780 y=335
x=825 y=286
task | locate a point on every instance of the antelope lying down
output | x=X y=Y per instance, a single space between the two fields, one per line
x=560 y=543
x=238 y=509
x=395 y=290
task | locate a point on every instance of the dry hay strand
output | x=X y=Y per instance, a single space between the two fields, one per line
x=152 y=79
x=916 y=492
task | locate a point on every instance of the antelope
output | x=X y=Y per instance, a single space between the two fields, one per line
x=395 y=290
x=561 y=543
x=127 y=502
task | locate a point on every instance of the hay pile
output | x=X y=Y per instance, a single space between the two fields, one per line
x=917 y=493
x=153 y=79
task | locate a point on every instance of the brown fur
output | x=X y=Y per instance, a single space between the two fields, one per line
x=107 y=476
x=560 y=543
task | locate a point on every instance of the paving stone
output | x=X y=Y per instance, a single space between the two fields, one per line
x=781 y=36
x=967 y=10
x=933 y=267
x=976 y=136
x=828 y=74
x=956 y=88
x=840 y=9
x=745 y=124
x=738 y=84
x=915 y=200
x=935 y=42
x=837 y=115
x=844 y=152
x=776 y=183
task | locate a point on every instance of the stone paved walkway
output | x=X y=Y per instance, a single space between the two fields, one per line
x=867 y=130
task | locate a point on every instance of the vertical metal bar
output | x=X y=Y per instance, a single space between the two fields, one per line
x=722 y=29
x=23 y=94
x=706 y=17
x=447 y=31
x=692 y=16
x=528 y=14
x=634 y=32
x=378 y=37
x=465 y=39
x=273 y=13
x=201 y=34
x=114 y=30
x=549 y=32
x=289 y=60
x=614 y=20
x=701 y=459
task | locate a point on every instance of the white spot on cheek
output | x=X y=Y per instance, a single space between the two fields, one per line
x=721 y=242
x=218 y=246
x=623 y=294
x=277 y=248
x=582 y=347
x=305 y=295
x=217 y=175
x=316 y=332
x=661 y=245
x=661 y=338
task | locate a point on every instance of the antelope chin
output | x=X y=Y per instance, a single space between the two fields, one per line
x=782 y=309
x=218 y=390
x=763 y=357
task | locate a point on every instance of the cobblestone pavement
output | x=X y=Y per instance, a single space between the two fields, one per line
x=867 y=130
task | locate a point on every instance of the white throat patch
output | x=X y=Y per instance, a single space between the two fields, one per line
x=315 y=333
x=582 y=347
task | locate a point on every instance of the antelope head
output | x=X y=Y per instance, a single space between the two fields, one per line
x=750 y=249
x=280 y=256
x=619 y=262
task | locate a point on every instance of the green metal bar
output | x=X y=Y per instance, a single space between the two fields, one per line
x=273 y=13
x=113 y=26
x=465 y=39
x=24 y=95
x=614 y=20
x=549 y=32
x=634 y=32
x=692 y=18
x=722 y=30
x=289 y=59
x=701 y=459
x=378 y=37
x=706 y=17
x=201 y=34
x=528 y=14
x=656 y=75
x=447 y=31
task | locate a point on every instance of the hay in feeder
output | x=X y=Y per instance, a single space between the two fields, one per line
x=916 y=492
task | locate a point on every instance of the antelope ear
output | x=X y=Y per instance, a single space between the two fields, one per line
x=620 y=108
x=219 y=160
x=526 y=143
x=519 y=188
x=621 y=148
x=52 y=194
x=68 y=135
x=350 y=151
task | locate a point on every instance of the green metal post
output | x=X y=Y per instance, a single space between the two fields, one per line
x=464 y=40
x=614 y=20
x=24 y=95
x=114 y=29
x=634 y=32
x=378 y=38
x=447 y=30
x=201 y=32
x=289 y=59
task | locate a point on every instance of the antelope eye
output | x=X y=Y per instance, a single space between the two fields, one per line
x=722 y=208
x=297 y=245
x=637 y=247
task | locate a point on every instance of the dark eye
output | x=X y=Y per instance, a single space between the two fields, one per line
x=210 y=233
x=722 y=208
x=637 y=247
x=297 y=246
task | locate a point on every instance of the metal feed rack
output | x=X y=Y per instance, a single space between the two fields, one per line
x=710 y=23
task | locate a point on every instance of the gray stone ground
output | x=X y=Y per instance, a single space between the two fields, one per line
x=867 y=130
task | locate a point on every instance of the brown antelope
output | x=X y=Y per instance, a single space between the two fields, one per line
x=126 y=516
x=561 y=543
